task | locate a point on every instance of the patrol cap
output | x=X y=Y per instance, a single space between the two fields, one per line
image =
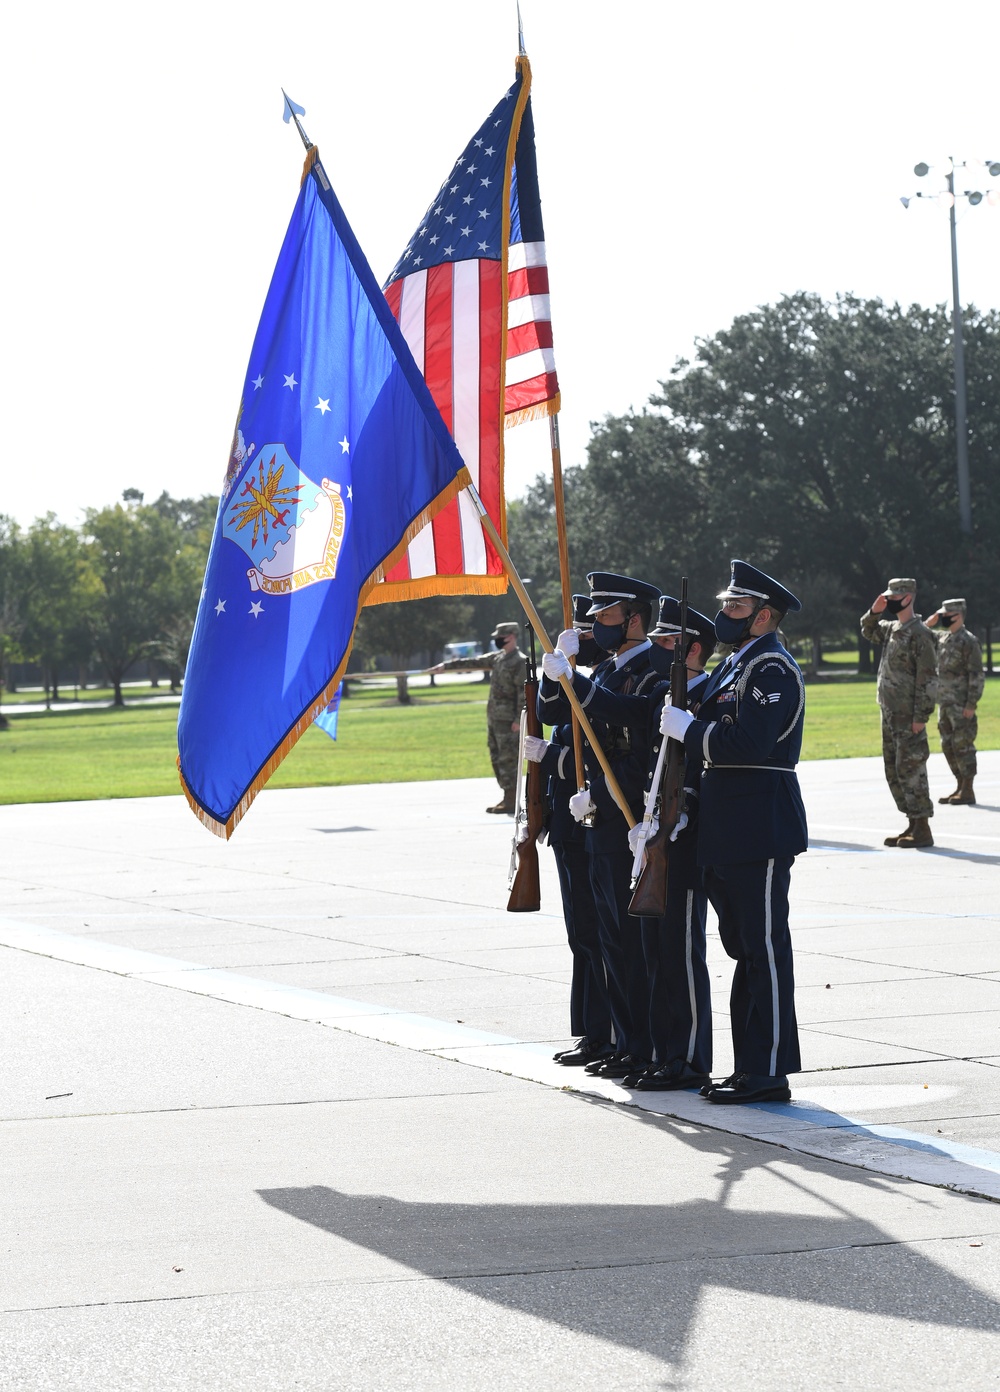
x=952 y=606
x=607 y=588
x=699 y=628
x=504 y=630
x=747 y=582
x=581 y=615
x=896 y=588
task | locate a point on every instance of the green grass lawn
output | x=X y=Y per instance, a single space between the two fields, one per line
x=132 y=752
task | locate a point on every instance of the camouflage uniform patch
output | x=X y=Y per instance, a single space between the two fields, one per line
x=906 y=690
x=960 y=685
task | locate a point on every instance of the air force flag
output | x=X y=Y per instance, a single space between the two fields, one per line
x=340 y=456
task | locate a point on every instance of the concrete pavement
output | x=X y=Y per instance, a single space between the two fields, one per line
x=281 y=1113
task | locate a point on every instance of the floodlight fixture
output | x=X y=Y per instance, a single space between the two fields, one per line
x=975 y=197
x=994 y=167
x=905 y=202
x=921 y=169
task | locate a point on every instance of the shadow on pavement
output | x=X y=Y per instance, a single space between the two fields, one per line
x=552 y=1260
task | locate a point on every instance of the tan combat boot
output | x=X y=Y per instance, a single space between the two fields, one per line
x=964 y=796
x=950 y=797
x=505 y=805
x=918 y=835
x=895 y=840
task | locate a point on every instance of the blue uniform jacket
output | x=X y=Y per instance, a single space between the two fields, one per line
x=692 y=769
x=559 y=767
x=623 y=723
x=747 y=737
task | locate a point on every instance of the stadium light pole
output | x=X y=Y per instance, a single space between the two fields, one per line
x=950 y=197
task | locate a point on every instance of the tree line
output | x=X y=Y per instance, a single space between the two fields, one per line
x=814 y=438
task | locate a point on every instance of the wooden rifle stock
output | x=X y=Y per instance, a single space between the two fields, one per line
x=650 y=897
x=526 y=891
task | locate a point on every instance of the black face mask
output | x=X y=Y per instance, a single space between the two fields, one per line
x=499 y=642
x=590 y=654
x=731 y=630
x=893 y=606
x=610 y=637
x=946 y=620
x=661 y=659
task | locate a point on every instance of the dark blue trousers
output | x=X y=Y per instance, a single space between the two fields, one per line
x=589 y=1011
x=752 y=903
x=680 y=992
x=621 y=948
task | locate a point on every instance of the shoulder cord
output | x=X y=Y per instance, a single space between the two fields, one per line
x=741 y=685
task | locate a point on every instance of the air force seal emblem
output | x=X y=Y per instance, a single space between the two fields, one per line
x=291 y=528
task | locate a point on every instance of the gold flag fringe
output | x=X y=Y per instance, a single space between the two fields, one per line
x=225 y=829
x=540 y=411
x=427 y=586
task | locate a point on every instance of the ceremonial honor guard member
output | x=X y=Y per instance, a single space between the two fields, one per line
x=905 y=690
x=621 y=609
x=747 y=735
x=508 y=668
x=680 y=992
x=960 y=684
x=590 y=1014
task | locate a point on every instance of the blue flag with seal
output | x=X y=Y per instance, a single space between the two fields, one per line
x=340 y=456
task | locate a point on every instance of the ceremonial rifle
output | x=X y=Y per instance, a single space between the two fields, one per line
x=650 y=897
x=525 y=890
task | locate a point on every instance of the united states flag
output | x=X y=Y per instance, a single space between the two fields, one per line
x=471 y=294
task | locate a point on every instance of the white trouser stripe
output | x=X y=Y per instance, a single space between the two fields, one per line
x=775 y=1014
x=689 y=963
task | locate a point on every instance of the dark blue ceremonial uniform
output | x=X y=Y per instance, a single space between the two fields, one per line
x=624 y=731
x=747 y=737
x=590 y=1013
x=680 y=991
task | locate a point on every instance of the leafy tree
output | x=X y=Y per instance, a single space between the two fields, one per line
x=131 y=562
x=398 y=631
x=54 y=631
x=828 y=434
x=11 y=591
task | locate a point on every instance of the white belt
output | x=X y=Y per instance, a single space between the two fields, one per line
x=768 y=768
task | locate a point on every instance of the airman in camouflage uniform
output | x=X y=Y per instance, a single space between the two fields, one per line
x=507 y=668
x=960 y=685
x=907 y=680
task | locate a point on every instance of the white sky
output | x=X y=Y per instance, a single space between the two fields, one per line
x=695 y=160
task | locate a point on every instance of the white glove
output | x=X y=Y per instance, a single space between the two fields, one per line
x=568 y=642
x=682 y=822
x=535 y=748
x=636 y=831
x=523 y=834
x=674 y=723
x=581 y=804
x=556 y=664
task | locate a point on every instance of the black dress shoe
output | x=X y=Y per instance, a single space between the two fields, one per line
x=726 y=1082
x=598 y=1063
x=672 y=1077
x=585 y=1052
x=632 y=1080
x=751 y=1087
x=618 y=1066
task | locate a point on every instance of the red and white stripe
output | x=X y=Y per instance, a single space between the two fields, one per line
x=530 y=380
x=451 y=318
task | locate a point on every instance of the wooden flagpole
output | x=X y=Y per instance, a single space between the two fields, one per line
x=565 y=682
x=564 y=576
